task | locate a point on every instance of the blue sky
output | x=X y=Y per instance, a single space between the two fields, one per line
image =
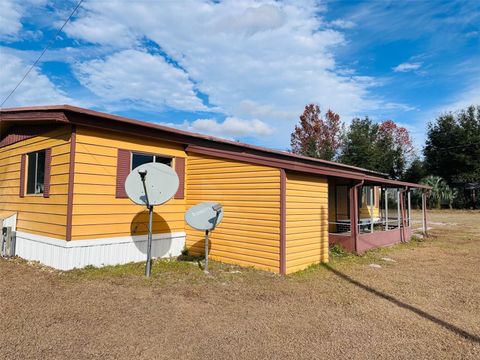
x=245 y=69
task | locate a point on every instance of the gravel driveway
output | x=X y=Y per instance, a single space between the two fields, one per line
x=420 y=300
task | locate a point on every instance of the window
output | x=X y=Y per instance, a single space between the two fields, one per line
x=36 y=172
x=368 y=195
x=140 y=159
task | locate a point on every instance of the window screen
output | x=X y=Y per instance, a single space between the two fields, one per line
x=36 y=172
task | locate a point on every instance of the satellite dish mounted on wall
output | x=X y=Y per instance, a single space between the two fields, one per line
x=205 y=216
x=150 y=185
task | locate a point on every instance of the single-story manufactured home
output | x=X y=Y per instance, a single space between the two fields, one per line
x=62 y=174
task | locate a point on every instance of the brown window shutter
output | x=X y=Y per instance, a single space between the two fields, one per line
x=123 y=169
x=48 y=165
x=180 y=170
x=23 y=160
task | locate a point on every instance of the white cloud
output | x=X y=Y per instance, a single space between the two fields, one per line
x=230 y=128
x=406 y=67
x=254 y=60
x=136 y=76
x=343 y=24
x=11 y=13
x=35 y=89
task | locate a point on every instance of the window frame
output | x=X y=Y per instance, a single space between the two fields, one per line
x=369 y=195
x=154 y=155
x=27 y=173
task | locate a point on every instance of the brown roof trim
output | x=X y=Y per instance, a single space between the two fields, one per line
x=394 y=183
x=278 y=163
x=8 y=115
x=179 y=133
x=196 y=142
x=294 y=166
x=71 y=180
x=283 y=222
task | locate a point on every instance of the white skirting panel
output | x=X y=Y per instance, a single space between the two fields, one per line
x=67 y=255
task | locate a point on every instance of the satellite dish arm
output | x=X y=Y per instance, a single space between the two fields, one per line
x=217 y=208
x=143 y=175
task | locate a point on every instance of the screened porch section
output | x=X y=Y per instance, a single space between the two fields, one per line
x=378 y=214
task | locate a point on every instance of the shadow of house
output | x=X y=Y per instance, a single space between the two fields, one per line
x=450 y=327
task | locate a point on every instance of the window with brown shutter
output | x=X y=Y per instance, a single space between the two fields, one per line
x=48 y=164
x=35 y=172
x=23 y=160
x=180 y=170
x=128 y=160
x=123 y=169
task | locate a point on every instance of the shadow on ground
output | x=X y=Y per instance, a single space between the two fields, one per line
x=455 y=329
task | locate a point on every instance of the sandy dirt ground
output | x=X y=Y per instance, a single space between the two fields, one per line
x=425 y=304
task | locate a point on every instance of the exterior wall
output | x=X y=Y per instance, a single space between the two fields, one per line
x=249 y=234
x=306 y=221
x=67 y=255
x=97 y=213
x=36 y=214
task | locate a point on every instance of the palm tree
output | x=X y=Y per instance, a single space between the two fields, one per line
x=440 y=193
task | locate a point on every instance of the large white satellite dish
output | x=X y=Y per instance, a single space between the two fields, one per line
x=151 y=184
x=205 y=216
x=161 y=183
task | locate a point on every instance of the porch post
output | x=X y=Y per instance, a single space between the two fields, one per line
x=424 y=214
x=409 y=207
x=398 y=208
x=372 y=206
x=386 y=208
x=354 y=214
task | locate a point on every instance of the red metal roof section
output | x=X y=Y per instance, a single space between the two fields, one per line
x=196 y=142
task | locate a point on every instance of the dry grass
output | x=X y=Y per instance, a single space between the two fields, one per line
x=426 y=304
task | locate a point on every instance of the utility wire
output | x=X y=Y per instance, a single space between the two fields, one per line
x=50 y=42
x=455 y=147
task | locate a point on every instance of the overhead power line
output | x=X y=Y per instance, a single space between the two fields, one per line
x=455 y=147
x=50 y=42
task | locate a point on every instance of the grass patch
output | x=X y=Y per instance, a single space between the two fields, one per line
x=159 y=266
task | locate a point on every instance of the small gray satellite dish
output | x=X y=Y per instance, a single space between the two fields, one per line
x=161 y=183
x=151 y=184
x=205 y=216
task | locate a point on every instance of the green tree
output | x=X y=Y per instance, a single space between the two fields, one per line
x=359 y=144
x=384 y=147
x=415 y=172
x=452 y=148
x=440 y=193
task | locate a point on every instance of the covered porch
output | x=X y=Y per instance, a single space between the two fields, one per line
x=371 y=213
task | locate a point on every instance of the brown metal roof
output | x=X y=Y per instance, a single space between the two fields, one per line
x=195 y=141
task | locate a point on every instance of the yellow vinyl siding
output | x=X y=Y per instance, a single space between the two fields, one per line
x=250 y=194
x=365 y=210
x=306 y=221
x=36 y=214
x=97 y=213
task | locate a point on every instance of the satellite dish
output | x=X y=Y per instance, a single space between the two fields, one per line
x=151 y=184
x=161 y=183
x=204 y=216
